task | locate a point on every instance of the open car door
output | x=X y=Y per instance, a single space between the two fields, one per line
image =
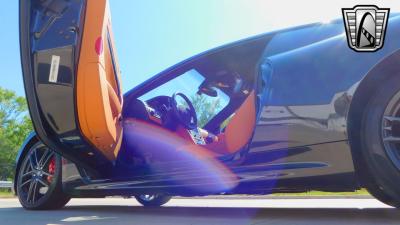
x=71 y=79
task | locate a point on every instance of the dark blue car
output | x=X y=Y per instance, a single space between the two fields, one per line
x=286 y=111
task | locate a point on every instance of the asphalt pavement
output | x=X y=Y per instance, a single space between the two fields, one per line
x=233 y=211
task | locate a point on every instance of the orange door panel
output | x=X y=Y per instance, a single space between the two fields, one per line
x=99 y=99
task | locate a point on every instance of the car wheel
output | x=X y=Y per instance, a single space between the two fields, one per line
x=380 y=141
x=39 y=180
x=154 y=200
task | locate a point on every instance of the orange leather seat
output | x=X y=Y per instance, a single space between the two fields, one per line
x=239 y=130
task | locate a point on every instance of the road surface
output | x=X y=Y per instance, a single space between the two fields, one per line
x=115 y=211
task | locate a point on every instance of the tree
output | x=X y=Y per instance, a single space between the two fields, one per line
x=15 y=125
x=206 y=108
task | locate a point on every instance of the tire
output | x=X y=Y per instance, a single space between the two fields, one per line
x=153 y=200
x=38 y=181
x=383 y=168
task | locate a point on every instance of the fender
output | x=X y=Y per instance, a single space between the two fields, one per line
x=29 y=140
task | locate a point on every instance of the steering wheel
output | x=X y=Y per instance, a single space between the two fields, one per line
x=186 y=116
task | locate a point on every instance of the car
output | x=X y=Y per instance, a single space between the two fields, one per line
x=291 y=110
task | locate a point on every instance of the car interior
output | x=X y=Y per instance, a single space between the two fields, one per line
x=219 y=115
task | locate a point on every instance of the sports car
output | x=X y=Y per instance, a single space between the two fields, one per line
x=292 y=110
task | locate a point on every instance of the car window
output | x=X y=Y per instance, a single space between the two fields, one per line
x=188 y=83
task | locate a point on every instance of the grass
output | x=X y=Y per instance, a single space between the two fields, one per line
x=362 y=192
x=6 y=193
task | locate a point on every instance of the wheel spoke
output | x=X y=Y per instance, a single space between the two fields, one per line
x=34 y=191
x=25 y=183
x=30 y=190
x=28 y=167
x=389 y=128
x=44 y=155
x=27 y=173
x=47 y=174
x=46 y=159
x=32 y=160
x=391 y=139
x=392 y=118
x=44 y=183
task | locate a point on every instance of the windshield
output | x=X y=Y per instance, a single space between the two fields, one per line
x=188 y=83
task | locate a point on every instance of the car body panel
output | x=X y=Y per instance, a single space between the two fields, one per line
x=311 y=88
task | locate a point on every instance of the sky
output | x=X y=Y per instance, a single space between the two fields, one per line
x=152 y=35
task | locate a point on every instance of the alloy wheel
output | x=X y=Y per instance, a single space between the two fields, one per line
x=391 y=130
x=36 y=174
x=147 y=198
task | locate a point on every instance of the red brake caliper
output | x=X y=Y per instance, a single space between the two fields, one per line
x=52 y=169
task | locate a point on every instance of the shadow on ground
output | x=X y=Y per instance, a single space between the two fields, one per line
x=115 y=215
